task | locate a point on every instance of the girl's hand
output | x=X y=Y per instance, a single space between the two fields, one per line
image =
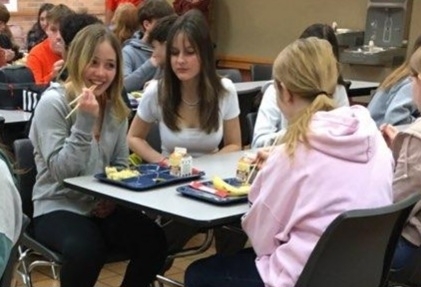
x=103 y=208
x=88 y=103
x=389 y=133
x=262 y=156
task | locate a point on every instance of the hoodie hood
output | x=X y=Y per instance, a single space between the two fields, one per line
x=348 y=133
x=137 y=43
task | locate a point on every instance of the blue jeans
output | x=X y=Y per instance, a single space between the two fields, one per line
x=403 y=253
x=224 y=271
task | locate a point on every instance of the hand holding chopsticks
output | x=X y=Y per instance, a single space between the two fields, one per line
x=262 y=156
x=78 y=98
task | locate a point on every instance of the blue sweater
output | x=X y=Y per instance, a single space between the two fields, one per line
x=393 y=106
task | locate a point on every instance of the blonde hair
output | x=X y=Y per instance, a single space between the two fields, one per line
x=402 y=71
x=125 y=21
x=415 y=62
x=82 y=55
x=308 y=69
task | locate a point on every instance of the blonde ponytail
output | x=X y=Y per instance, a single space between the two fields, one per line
x=308 y=69
x=299 y=126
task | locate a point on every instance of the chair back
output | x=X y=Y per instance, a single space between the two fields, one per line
x=233 y=74
x=261 y=72
x=357 y=247
x=24 y=157
x=246 y=101
x=154 y=138
x=251 y=121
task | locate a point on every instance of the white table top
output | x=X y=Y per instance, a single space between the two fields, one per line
x=363 y=85
x=14 y=116
x=167 y=201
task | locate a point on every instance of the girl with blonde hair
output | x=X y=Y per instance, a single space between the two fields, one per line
x=325 y=163
x=83 y=142
x=407 y=178
x=392 y=103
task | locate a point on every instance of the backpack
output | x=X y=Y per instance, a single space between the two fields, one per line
x=18 y=90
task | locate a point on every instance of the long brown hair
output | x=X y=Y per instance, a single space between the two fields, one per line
x=400 y=72
x=125 y=21
x=193 y=26
x=308 y=69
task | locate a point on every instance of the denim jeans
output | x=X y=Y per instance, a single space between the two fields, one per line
x=403 y=253
x=224 y=271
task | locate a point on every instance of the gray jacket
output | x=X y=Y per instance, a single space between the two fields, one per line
x=66 y=148
x=393 y=106
x=137 y=67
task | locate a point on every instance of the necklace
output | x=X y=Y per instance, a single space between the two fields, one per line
x=190 y=104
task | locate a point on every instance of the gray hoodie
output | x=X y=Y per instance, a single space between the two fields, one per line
x=137 y=67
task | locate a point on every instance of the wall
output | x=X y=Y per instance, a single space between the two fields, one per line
x=259 y=29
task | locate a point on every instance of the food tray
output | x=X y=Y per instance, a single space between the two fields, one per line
x=149 y=173
x=212 y=198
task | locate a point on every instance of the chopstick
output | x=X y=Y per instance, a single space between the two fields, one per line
x=258 y=162
x=91 y=88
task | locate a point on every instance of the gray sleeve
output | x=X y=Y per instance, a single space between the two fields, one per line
x=121 y=151
x=62 y=143
x=134 y=81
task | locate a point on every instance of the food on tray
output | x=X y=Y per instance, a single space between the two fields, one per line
x=246 y=166
x=136 y=94
x=116 y=174
x=220 y=184
x=180 y=162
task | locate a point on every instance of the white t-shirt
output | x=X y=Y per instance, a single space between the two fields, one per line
x=197 y=141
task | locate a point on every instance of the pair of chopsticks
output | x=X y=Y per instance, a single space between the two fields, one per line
x=259 y=161
x=91 y=88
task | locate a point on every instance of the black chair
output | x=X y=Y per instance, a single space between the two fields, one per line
x=261 y=72
x=357 y=248
x=246 y=101
x=2 y=122
x=9 y=271
x=154 y=138
x=251 y=121
x=24 y=157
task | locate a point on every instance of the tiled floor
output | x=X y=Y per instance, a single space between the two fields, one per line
x=112 y=274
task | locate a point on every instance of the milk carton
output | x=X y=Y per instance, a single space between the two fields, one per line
x=181 y=163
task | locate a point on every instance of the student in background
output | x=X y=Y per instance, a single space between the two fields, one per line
x=82 y=228
x=137 y=67
x=10 y=210
x=308 y=180
x=406 y=147
x=182 y=6
x=125 y=22
x=112 y=5
x=270 y=121
x=45 y=59
x=193 y=106
x=9 y=51
x=158 y=40
x=37 y=34
x=392 y=103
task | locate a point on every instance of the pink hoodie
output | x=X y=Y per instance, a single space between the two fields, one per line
x=347 y=167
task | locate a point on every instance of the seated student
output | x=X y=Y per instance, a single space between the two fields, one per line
x=37 y=34
x=392 y=103
x=308 y=180
x=82 y=228
x=194 y=107
x=112 y=5
x=158 y=40
x=10 y=210
x=10 y=51
x=270 y=121
x=45 y=59
x=137 y=67
x=407 y=179
x=124 y=22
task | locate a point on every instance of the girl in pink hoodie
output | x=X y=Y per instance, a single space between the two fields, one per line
x=328 y=162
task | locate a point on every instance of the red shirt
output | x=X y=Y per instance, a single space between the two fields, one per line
x=40 y=61
x=112 y=4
